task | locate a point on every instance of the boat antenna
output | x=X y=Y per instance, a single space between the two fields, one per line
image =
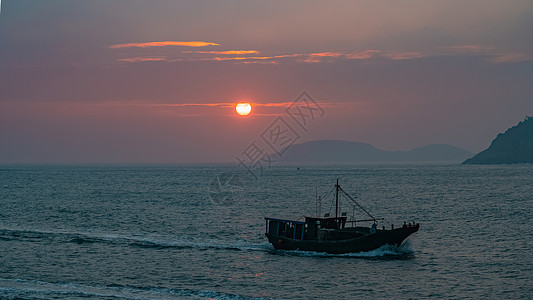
x=319 y=206
x=337 y=199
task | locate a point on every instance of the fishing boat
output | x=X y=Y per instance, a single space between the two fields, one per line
x=335 y=235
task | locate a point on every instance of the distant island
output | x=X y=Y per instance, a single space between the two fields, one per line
x=512 y=147
x=328 y=151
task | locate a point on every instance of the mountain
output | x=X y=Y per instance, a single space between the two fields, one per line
x=513 y=146
x=346 y=151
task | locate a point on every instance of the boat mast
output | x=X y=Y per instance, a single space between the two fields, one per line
x=337 y=199
x=316 y=200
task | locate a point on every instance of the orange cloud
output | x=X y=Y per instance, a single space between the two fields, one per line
x=327 y=54
x=367 y=54
x=312 y=60
x=317 y=57
x=230 y=52
x=223 y=104
x=243 y=58
x=163 y=44
x=288 y=55
x=141 y=59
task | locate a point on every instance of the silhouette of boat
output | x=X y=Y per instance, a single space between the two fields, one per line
x=332 y=235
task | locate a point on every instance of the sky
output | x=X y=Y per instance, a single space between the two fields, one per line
x=131 y=81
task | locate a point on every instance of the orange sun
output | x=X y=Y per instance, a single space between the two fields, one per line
x=243 y=109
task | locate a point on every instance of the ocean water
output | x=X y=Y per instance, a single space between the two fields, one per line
x=171 y=232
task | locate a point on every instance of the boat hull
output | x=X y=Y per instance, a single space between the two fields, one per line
x=393 y=237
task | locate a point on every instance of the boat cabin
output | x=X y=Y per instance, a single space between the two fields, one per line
x=308 y=230
x=286 y=228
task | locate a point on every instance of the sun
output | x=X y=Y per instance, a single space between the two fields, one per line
x=243 y=108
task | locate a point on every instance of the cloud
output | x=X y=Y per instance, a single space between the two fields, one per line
x=243 y=58
x=214 y=104
x=404 y=55
x=263 y=62
x=240 y=56
x=357 y=55
x=317 y=57
x=460 y=49
x=511 y=57
x=367 y=54
x=163 y=44
x=232 y=104
x=488 y=51
x=320 y=56
x=288 y=55
x=228 y=52
x=327 y=54
x=312 y=60
x=141 y=59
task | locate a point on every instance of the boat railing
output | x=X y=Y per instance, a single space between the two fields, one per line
x=353 y=222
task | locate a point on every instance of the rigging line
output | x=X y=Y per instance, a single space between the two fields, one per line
x=325 y=197
x=356 y=203
x=328 y=193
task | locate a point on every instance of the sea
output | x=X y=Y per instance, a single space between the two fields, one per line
x=197 y=232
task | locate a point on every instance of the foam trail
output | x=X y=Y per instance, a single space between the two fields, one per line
x=158 y=242
x=382 y=252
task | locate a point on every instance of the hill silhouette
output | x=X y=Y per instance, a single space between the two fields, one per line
x=345 y=151
x=513 y=146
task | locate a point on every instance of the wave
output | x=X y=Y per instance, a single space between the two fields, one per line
x=35 y=289
x=155 y=242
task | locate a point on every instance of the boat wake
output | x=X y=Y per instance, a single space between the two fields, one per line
x=142 y=241
x=404 y=251
x=35 y=289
